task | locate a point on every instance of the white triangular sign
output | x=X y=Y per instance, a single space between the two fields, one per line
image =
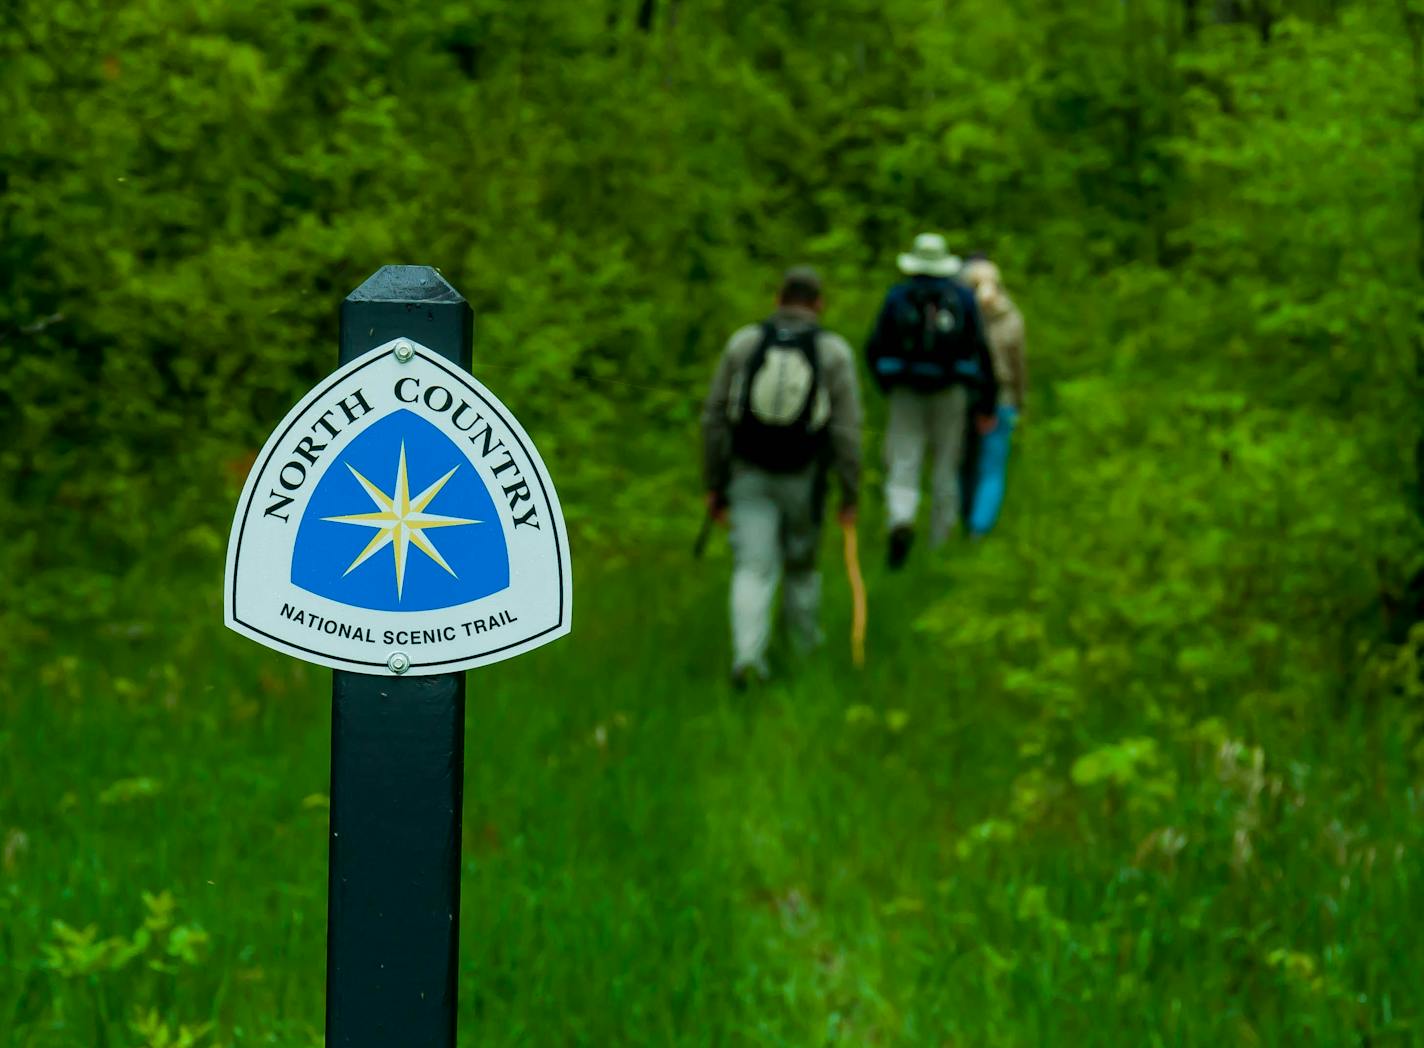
x=399 y=520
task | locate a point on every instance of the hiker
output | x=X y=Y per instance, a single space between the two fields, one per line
x=1005 y=328
x=783 y=408
x=929 y=357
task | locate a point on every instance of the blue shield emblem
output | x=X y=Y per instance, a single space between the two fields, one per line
x=401 y=521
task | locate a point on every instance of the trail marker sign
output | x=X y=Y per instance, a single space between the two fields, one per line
x=399 y=527
x=399 y=520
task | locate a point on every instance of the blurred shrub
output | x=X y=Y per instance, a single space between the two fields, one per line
x=188 y=188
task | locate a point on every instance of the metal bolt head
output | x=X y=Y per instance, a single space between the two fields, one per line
x=399 y=662
x=404 y=351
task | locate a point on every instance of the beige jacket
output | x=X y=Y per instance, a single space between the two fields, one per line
x=839 y=401
x=1005 y=330
x=1006 y=342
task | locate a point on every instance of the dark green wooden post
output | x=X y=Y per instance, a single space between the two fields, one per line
x=397 y=770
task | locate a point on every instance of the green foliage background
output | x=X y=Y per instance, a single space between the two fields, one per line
x=1146 y=768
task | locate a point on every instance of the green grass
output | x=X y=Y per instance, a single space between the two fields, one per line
x=1031 y=821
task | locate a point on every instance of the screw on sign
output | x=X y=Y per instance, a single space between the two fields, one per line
x=399 y=527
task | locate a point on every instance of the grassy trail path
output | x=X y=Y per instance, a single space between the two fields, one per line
x=1040 y=816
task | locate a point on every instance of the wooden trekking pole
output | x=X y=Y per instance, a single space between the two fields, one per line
x=857 y=593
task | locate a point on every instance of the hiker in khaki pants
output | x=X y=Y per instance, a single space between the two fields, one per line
x=783 y=407
x=929 y=356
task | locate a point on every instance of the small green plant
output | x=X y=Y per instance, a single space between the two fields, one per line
x=161 y=942
x=1131 y=768
x=156 y=1033
x=136 y=970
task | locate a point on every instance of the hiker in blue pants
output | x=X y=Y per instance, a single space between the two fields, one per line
x=1005 y=330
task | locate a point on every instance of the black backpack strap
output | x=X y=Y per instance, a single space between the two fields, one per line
x=754 y=361
x=806 y=342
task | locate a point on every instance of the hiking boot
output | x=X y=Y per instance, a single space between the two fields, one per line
x=744 y=677
x=900 y=540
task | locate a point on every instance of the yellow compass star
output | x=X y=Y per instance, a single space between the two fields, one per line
x=401 y=521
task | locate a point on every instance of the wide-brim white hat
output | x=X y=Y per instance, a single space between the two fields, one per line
x=929 y=257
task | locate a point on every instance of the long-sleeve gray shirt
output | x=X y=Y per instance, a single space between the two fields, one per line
x=837 y=384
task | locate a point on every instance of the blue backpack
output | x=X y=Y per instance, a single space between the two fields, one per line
x=935 y=343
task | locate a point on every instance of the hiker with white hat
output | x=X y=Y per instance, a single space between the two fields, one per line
x=1005 y=327
x=783 y=407
x=928 y=354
